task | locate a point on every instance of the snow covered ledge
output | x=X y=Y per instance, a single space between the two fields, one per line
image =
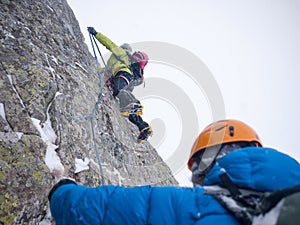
x=48 y=135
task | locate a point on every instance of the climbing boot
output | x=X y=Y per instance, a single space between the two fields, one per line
x=145 y=134
x=132 y=108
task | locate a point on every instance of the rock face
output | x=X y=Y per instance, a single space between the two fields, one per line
x=48 y=89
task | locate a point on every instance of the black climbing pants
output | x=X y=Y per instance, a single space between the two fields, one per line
x=121 y=81
x=138 y=121
x=126 y=97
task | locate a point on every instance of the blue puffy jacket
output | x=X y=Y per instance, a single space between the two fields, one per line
x=260 y=169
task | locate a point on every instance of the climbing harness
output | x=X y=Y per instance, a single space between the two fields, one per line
x=94 y=43
x=245 y=204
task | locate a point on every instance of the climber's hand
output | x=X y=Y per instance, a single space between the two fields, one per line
x=92 y=30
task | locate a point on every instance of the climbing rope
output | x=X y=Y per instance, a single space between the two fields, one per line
x=94 y=43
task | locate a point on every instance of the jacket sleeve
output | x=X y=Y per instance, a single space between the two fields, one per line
x=75 y=204
x=111 y=46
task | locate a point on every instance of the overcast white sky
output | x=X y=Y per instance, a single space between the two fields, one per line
x=251 y=47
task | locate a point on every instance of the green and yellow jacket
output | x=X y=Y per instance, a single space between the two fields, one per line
x=119 y=60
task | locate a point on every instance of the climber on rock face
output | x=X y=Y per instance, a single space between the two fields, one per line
x=127 y=71
x=236 y=181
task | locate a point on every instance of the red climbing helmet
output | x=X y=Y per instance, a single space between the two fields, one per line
x=141 y=57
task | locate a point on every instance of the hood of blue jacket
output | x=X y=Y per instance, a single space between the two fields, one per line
x=262 y=169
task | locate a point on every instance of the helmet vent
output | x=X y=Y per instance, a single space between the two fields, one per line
x=231 y=131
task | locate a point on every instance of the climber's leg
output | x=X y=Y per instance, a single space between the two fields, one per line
x=144 y=128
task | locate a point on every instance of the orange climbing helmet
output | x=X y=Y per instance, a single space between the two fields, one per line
x=221 y=132
x=141 y=57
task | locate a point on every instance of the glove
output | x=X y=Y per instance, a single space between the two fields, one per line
x=92 y=31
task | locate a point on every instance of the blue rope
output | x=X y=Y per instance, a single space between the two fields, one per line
x=94 y=39
x=93 y=42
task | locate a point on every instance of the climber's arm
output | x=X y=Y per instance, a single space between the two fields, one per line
x=88 y=204
x=110 y=45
